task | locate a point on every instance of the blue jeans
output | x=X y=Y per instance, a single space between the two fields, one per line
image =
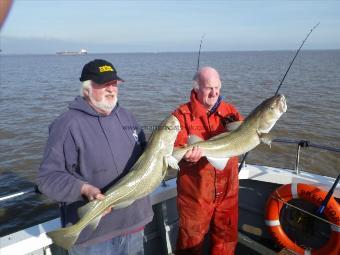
x=121 y=245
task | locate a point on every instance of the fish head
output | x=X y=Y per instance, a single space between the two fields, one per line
x=268 y=112
x=165 y=134
x=170 y=128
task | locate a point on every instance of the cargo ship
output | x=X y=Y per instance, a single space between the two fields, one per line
x=72 y=53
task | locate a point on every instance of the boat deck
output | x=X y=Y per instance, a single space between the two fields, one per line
x=256 y=184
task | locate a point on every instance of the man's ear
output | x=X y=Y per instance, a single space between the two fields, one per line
x=86 y=92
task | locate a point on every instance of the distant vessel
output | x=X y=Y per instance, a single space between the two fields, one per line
x=71 y=53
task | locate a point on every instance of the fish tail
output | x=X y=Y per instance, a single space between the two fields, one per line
x=64 y=237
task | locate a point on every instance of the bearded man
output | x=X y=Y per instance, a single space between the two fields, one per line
x=89 y=148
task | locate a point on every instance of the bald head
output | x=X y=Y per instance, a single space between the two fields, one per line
x=207 y=84
x=207 y=73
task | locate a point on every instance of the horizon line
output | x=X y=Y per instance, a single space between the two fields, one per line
x=162 y=52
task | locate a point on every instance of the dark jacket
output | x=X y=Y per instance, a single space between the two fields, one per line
x=84 y=146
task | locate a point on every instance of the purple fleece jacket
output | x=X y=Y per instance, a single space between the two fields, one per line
x=84 y=146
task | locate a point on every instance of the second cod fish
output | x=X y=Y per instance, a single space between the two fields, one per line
x=253 y=130
x=145 y=175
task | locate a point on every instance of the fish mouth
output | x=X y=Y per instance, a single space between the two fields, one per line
x=282 y=104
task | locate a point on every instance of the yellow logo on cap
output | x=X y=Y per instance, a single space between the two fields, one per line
x=105 y=69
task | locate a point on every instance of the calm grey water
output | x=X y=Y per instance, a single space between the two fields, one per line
x=36 y=89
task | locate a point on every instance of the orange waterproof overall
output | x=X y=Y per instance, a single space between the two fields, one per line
x=207 y=197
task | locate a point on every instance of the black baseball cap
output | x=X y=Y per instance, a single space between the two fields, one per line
x=100 y=71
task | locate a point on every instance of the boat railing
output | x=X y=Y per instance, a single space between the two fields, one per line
x=304 y=144
x=33 y=189
x=300 y=144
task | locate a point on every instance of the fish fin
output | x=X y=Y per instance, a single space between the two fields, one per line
x=86 y=208
x=218 y=163
x=233 y=125
x=172 y=162
x=194 y=139
x=94 y=223
x=266 y=139
x=64 y=237
x=124 y=204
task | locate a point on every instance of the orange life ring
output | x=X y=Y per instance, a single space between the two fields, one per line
x=315 y=196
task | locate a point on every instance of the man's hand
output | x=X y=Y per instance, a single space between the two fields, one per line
x=193 y=155
x=92 y=193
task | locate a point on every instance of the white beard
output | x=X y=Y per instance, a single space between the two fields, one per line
x=104 y=105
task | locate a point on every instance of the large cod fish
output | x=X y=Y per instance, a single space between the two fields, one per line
x=145 y=175
x=250 y=133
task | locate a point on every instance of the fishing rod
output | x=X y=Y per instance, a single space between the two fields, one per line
x=199 y=53
x=328 y=197
x=297 y=52
x=290 y=65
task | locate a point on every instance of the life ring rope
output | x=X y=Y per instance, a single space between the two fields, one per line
x=282 y=195
x=274 y=222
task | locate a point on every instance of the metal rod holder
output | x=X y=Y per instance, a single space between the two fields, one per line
x=302 y=143
x=297 y=161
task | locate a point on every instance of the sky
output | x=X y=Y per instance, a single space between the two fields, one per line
x=44 y=27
